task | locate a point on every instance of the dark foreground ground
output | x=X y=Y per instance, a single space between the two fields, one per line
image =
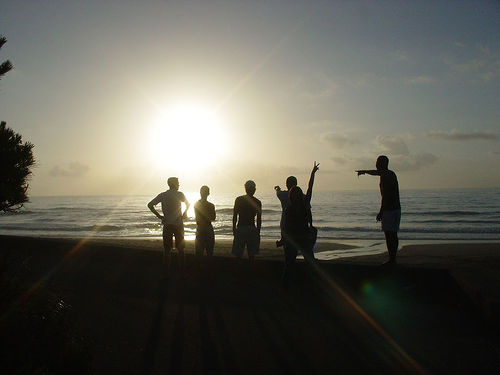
x=343 y=318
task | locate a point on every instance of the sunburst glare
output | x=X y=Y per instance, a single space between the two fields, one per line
x=190 y=134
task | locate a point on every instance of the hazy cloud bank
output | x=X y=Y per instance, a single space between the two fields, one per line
x=482 y=64
x=392 y=145
x=420 y=80
x=401 y=159
x=456 y=135
x=73 y=170
x=338 y=140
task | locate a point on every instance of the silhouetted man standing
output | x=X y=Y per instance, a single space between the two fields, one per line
x=246 y=233
x=204 y=212
x=172 y=220
x=390 y=209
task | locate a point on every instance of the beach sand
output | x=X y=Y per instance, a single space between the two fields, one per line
x=436 y=312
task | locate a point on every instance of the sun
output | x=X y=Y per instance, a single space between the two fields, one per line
x=188 y=134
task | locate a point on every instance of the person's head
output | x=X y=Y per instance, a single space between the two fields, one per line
x=296 y=196
x=204 y=192
x=291 y=181
x=250 y=187
x=382 y=163
x=173 y=183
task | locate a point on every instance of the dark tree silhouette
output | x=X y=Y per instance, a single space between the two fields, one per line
x=16 y=160
x=15 y=168
x=6 y=65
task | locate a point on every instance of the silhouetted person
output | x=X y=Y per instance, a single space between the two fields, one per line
x=390 y=209
x=245 y=231
x=204 y=213
x=172 y=220
x=298 y=233
x=282 y=195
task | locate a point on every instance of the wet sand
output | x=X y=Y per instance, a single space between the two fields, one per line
x=436 y=312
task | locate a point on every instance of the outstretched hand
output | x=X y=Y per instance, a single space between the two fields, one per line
x=360 y=172
x=315 y=168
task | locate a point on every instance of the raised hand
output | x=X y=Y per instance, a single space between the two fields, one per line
x=316 y=167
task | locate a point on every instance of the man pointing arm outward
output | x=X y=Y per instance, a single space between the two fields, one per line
x=390 y=209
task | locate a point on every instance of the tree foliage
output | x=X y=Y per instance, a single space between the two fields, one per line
x=6 y=65
x=16 y=160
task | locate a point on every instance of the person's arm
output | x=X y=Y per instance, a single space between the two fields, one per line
x=278 y=190
x=151 y=206
x=311 y=183
x=212 y=213
x=184 y=215
x=235 y=216
x=372 y=172
x=259 y=217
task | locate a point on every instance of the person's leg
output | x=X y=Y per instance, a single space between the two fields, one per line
x=253 y=244
x=167 y=247
x=198 y=244
x=290 y=257
x=210 y=242
x=180 y=244
x=238 y=244
x=392 y=242
x=390 y=226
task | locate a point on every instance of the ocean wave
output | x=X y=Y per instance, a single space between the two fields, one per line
x=445 y=213
x=15 y=213
x=229 y=211
x=55 y=228
x=451 y=221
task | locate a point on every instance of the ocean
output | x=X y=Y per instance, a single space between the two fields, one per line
x=340 y=216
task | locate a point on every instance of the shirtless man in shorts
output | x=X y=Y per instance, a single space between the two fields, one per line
x=172 y=220
x=204 y=212
x=390 y=209
x=245 y=231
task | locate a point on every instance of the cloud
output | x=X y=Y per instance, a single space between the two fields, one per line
x=420 y=80
x=316 y=89
x=392 y=145
x=399 y=163
x=338 y=140
x=73 y=170
x=483 y=65
x=339 y=160
x=405 y=163
x=457 y=135
x=399 y=55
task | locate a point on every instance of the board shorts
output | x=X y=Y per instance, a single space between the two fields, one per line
x=391 y=220
x=205 y=240
x=177 y=231
x=246 y=235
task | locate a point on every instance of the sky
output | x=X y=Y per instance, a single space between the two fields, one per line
x=118 y=95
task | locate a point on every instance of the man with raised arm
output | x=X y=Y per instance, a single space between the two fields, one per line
x=390 y=209
x=299 y=236
x=172 y=220
x=283 y=196
x=246 y=233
